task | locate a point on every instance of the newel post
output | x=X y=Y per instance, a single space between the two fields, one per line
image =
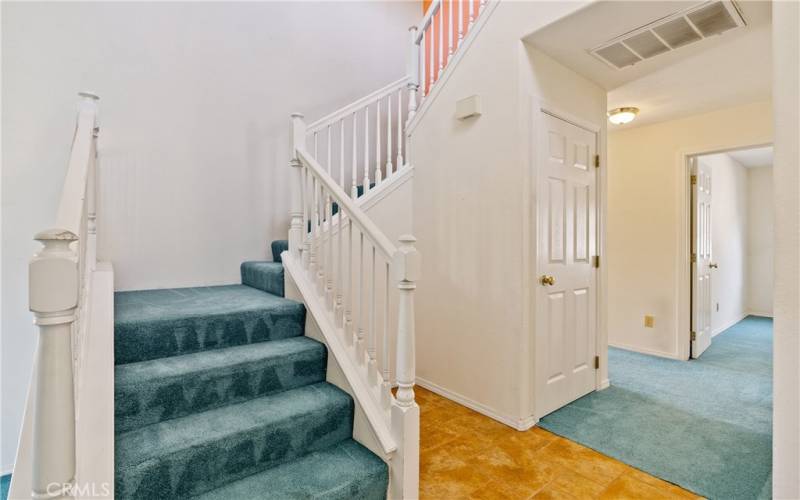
x=405 y=412
x=296 y=214
x=53 y=298
x=413 y=74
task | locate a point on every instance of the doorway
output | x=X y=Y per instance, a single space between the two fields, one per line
x=730 y=255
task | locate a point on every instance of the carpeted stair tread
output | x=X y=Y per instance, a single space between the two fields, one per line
x=344 y=471
x=265 y=276
x=278 y=247
x=190 y=455
x=157 y=390
x=151 y=324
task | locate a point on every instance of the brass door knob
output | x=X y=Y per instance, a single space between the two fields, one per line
x=713 y=265
x=547 y=280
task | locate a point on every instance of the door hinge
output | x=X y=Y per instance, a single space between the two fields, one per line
x=694 y=257
x=694 y=336
x=694 y=180
x=596 y=161
x=597 y=362
x=596 y=261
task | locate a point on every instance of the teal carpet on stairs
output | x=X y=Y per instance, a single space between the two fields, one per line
x=219 y=395
x=704 y=424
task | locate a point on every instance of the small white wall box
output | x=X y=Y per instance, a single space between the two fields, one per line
x=468 y=107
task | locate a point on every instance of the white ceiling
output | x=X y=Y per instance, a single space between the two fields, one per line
x=753 y=158
x=729 y=69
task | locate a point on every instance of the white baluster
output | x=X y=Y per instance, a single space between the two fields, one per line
x=316 y=156
x=482 y=5
x=341 y=153
x=365 y=180
x=361 y=309
x=296 y=223
x=331 y=267
x=388 y=135
x=314 y=230
x=449 y=29
x=53 y=281
x=399 y=129
x=373 y=344
x=460 y=22
x=415 y=69
x=304 y=230
x=348 y=287
x=471 y=15
x=432 y=43
x=320 y=198
x=378 y=176
x=354 y=173
x=386 y=390
x=441 y=39
x=328 y=163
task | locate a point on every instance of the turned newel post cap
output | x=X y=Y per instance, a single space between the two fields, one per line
x=53 y=273
x=407 y=262
x=297 y=115
x=412 y=28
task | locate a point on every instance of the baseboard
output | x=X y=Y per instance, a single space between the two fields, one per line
x=761 y=314
x=6 y=470
x=605 y=384
x=729 y=324
x=651 y=352
x=520 y=424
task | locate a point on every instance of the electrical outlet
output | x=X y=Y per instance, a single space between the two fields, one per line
x=649 y=321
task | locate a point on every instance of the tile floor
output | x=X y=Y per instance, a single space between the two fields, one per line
x=464 y=454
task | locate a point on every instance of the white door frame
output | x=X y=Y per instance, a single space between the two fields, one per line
x=683 y=303
x=538 y=105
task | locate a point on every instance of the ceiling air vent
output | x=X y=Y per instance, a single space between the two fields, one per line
x=669 y=33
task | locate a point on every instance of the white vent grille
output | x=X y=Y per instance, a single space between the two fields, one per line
x=670 y=33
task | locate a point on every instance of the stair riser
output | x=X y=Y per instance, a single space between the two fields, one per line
x=269 y=279
x=192 y=471
x=161 y=339
x=157 y=400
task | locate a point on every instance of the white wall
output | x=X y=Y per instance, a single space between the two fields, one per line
x=194 y=110
x=760 y=240
x=472 y=195
x=645 y=197
x=729 y=230
x=786 y=182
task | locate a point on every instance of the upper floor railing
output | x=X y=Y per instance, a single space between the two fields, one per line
x=439 y=37
x=59 y=282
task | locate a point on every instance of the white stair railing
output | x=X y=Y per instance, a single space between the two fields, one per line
x=363 y=143
x=439 y=37
x=351 y=266
x=59 y=281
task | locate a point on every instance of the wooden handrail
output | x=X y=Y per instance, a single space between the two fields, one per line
x=354 y=212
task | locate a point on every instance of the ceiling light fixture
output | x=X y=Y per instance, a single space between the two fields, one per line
x=621 y=116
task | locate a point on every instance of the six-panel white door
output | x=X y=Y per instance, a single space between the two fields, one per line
x=701 y=257
x=566 y=308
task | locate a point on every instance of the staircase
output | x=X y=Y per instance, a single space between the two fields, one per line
x=218 y=391
x=219 y=395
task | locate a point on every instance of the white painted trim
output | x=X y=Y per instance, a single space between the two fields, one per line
x=604 y=384
x=6 y=469
x=385 y=188
x=452 y=63
x=729 y=324
x=362 y=392
x=520 y=424
x=761 y=314
x=683 y=278
x=356 y=105
x=640 y=350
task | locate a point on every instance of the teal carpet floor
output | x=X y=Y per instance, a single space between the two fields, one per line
x=705 y=424
x=5 y=482
x=220 y=395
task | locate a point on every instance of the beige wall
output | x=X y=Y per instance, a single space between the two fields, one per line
x=471 y=212
x=760 y=240
x=645 y=208
x=729 y=231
